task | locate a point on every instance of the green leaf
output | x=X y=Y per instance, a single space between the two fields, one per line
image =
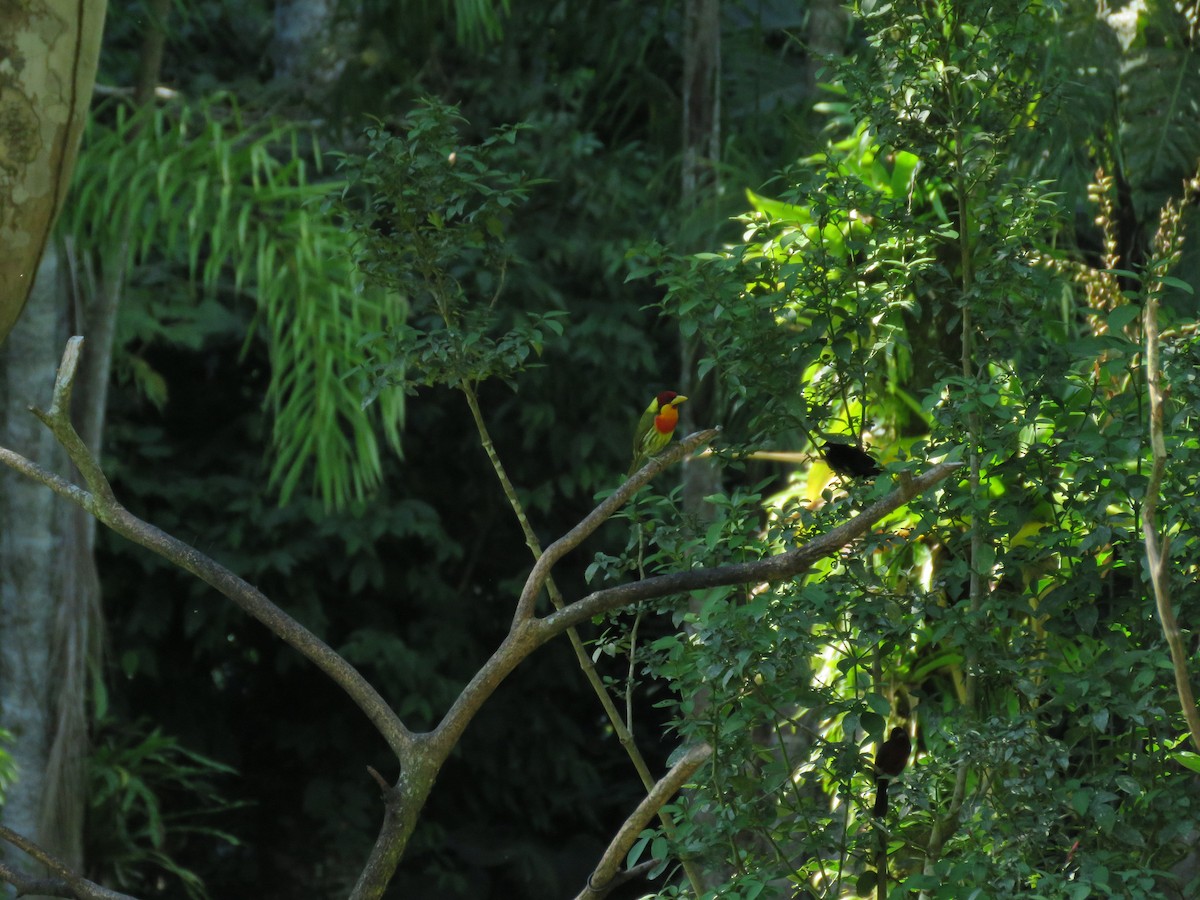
x=638 y=848
x=1122 y=315
x=1189 y=759
x=1179 y=284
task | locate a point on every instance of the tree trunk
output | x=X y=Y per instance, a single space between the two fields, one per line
x=33 y=576
x=53 y=47
x=310 y=46
x=699 y=187
x=701 y=152
x=826 y=37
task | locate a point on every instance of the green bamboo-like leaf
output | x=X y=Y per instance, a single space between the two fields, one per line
x=230 y=201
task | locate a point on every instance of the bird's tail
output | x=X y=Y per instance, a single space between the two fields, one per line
x=881 y=797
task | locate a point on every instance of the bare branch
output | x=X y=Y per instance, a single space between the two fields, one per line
x=772 y=569
x=379 y=779
x=641 y=870
x=600 y=882
x=601 y=514
x=58 y=420
x=56 y=483
x=67 y=884
x=402 y=806
x=101 y=503
x=516 y=646
x=28 y=885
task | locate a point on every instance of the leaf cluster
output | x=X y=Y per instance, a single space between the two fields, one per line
x=208 y=222
x=134 y=773
x=431 y=212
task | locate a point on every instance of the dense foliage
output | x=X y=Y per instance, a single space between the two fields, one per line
x=926 y=275
x=898 y=291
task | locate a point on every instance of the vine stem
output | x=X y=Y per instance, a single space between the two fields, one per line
x=1158 y=553
x=624 y=736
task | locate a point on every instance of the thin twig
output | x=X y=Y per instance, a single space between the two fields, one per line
x=631 y=672
x=68 y=883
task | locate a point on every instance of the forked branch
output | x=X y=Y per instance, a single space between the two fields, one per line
x=422 y=755
x=601 y=514
x=98 y=499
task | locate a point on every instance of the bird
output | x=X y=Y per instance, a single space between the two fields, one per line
x=850 y=461
x=655 y=427
x=890 y=761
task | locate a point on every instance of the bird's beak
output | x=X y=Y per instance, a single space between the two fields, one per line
x=678 y=400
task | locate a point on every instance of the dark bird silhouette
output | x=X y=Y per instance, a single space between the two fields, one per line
x=890 y=761
x=849 y=461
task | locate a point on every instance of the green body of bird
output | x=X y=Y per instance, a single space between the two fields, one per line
x=655 y=428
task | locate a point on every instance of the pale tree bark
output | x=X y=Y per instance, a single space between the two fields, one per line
x=310 y=48
x=33 y=548
x=826 y=33
x=48 y=55
x=699 y=188
x=701 y=153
